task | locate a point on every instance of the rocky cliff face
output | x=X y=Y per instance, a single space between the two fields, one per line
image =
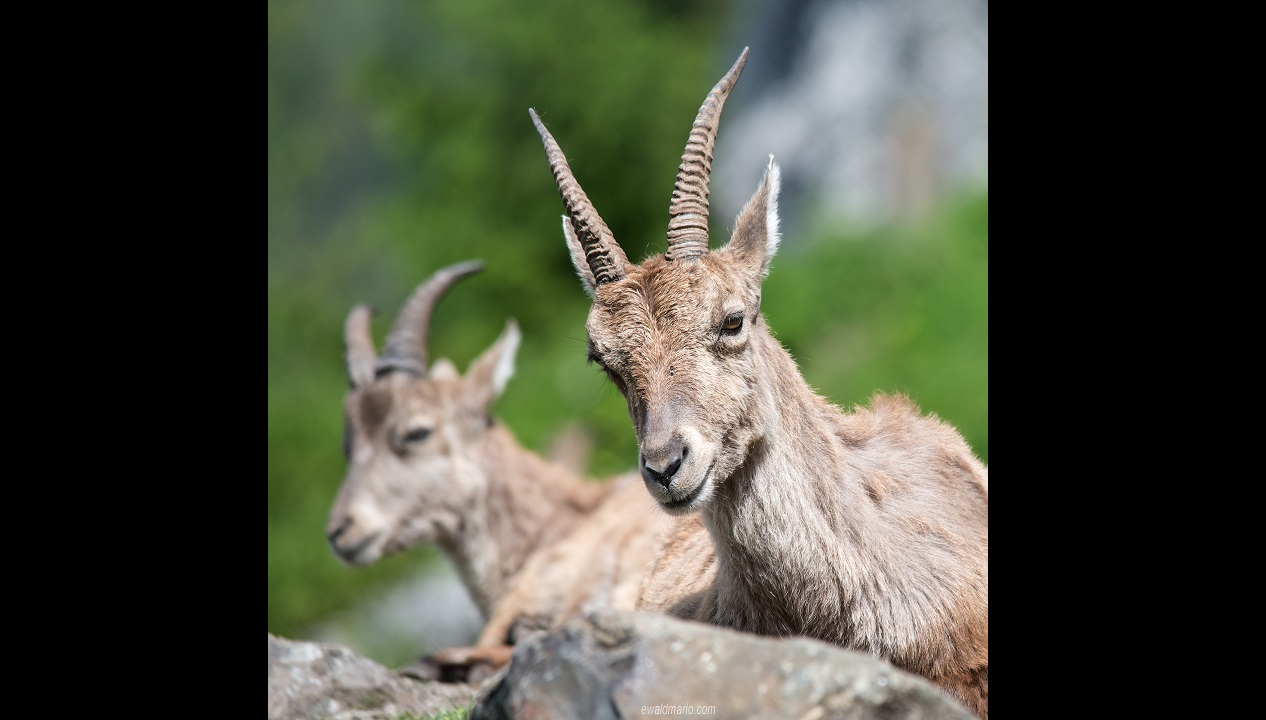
x=615 y=665
x=873 y=109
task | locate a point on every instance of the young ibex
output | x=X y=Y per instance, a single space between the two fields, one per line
x=868 y=529
x=532 y=540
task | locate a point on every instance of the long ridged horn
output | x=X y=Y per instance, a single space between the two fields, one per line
x=405 y=347
x=358 y=347
x=688 y=213
x=607 y=261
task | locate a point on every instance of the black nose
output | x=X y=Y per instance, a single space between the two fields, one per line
x=333 y=534
x=662 y=470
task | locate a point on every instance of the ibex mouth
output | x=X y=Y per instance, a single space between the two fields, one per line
x=690 y=501
x=357 y=554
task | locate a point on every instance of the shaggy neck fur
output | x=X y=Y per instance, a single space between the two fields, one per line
x=868 y=530
x=523 y=511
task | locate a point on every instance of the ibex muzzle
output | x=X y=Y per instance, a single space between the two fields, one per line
x=662 y=447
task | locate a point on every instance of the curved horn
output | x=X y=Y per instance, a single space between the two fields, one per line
x=607 y=261
x=405 y=347
x=358 y=347
x=688 y=213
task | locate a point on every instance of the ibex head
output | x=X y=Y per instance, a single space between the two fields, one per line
x=411 y=430
x=678 y=334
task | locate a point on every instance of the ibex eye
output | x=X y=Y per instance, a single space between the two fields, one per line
x=417 y=435
x=611 y=374
x=732 y=324
x=597 y=360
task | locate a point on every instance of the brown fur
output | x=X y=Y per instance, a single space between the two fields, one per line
x=533 y=540
x=868 y=529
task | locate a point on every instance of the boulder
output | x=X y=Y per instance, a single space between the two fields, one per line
x=610 y=665
x=308 y=680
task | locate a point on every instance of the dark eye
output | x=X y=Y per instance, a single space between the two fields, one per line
x=732 y=324
x=417 y=435
x=596 y=359
x=615 y=378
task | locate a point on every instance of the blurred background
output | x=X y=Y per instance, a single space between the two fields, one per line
x=399 y=142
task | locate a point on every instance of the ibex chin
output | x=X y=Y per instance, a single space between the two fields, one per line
x=533 y=541
x=868 y=529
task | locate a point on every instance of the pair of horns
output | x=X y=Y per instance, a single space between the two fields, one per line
x=405 y=346
x=688 y=211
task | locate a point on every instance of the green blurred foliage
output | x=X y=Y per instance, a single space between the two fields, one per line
x=901 y=308
x=399 y=141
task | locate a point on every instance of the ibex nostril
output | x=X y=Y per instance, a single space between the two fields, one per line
x=673 y=466
x=653 y=475
x=664 y=476
x=333 y=535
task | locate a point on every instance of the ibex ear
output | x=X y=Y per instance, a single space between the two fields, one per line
x=578 y=257
x=755 y=237
x=358 y=347
x=490 y=372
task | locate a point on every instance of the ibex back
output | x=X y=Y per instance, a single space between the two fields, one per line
x=869 y=528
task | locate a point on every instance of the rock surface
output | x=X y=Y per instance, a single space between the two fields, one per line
x=611 y=665
x=307 y=681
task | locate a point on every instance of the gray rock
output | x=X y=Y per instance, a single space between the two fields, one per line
x=611 y=665
x=309 y=680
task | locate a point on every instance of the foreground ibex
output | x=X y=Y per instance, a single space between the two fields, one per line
x=869 y=529
x=532 y=540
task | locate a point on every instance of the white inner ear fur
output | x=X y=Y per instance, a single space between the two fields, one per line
x=771 y=212
x=505 y=361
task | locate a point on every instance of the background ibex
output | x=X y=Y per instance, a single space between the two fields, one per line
x=532 y=540
x=868 y=528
